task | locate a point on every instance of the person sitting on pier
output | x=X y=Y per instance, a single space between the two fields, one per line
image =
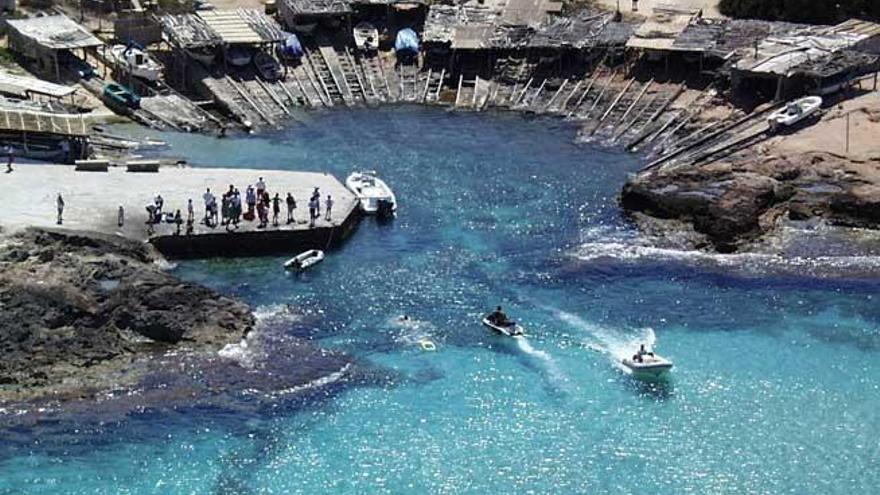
x=261 y=188
x=329 y=207
x=291 y=205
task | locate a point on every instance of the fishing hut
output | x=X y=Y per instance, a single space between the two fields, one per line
x=42 y=135
x=44 y=42
x=671 y=34
x=809 y=59
x=307 y=17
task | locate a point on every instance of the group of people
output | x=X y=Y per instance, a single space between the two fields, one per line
x=255 y=204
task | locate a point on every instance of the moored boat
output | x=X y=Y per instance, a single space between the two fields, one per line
x=375 y=197
x=267 y=66
x=366 y=37
x=304 y=260
x=239 y=56
x=795 y=112
x=203 y=54
x=121 y=97
x=137 y=62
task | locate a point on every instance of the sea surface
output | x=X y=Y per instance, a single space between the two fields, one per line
x=775 y=387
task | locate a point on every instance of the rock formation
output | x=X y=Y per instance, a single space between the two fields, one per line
x=732 y=204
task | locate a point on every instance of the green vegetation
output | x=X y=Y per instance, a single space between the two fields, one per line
x=809 y=11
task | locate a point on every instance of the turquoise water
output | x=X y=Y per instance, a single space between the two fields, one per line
x=774 y=391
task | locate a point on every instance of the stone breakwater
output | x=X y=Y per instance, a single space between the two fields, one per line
x=727 y=206
x=78 y=309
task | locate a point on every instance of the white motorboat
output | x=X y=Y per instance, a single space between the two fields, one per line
x=136 y=61
x=646 y=364
x=366 y=37
x=795 y=112
x=510 y=329
x=304 y=260
x=375 y=196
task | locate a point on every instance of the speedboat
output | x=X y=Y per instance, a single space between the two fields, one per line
x=136 y=61
x=509 y=329
x=366 y=37
x=647 y=365
x=121 y=97
x=375 y=196
x=795 y=112
x=304 y=260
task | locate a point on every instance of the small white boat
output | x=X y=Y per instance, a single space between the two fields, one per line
x=239 y=56
x=645 y=364
x=375 y=196
x=267 y=66
x=795 y=112
x=304 y=260
x=134 y=60
x=366 y=37
x=509 y=330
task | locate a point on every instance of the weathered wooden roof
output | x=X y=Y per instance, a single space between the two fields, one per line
x=22 y=85
x=661 y=30
x=56 y=32
x=242 y=26
x=318 y=7
x=13 y=119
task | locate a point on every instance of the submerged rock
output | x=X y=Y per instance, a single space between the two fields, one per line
x=78 y=309
x=732 y=204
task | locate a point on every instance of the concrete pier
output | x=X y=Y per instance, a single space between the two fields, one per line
x=92 y=201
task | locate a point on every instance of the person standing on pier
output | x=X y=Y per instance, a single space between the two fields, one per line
x=261 y=188
x=329 y=207
x=160 y=202
x=291 y=205
x=59 y=203
x=313 y=211
x=120 y=217
x=251 y=198
x=10 y=157
x=178 y=220
x=276 y=209
x=190 y=212
x=236 y=207
x=209 y=201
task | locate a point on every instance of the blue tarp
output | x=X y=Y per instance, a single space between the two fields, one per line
x=291 y=47
x=407 y=41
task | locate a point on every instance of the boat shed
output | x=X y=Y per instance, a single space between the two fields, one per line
x=29 y=87
x=40 y=39
x=303 y=15
x=809 y=50
x=663 y=28
x=216 y=28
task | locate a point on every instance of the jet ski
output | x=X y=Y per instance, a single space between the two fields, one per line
x=509 y=329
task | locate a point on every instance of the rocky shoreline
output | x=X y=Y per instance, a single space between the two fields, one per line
x=727 y=207
x=79 y=311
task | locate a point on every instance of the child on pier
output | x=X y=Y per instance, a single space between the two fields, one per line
x=329 y=207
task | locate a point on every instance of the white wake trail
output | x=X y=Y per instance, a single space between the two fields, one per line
x=616 y=344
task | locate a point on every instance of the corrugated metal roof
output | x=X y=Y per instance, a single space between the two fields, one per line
x=56 y=32
x=780 y=54
x=22 y=85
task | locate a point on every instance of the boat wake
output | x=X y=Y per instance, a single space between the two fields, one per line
x=544 y=357
x=611 y=245
x=613 y=343
x=413 y=332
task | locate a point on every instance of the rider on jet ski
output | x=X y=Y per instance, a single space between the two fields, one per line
x=498 y=317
